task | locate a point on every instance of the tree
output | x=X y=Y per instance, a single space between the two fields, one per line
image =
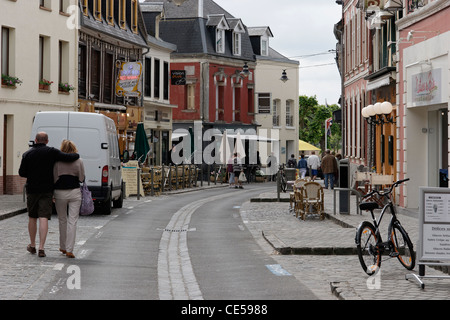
x=312 y=123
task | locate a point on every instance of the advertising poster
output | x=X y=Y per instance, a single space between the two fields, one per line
x=435 y=225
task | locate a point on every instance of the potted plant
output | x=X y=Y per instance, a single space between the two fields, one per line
x=65 y=87
x=44 y=84
x=10 y=81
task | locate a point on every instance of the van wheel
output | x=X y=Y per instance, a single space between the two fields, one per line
x=106 y=206
x=119 y=202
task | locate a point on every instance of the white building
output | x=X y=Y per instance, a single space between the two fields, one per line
x=276 y=100
x=38 y=41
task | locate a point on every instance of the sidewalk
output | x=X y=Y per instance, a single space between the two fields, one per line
x=326 y=251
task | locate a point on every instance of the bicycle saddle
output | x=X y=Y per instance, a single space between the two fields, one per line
x=368 y=206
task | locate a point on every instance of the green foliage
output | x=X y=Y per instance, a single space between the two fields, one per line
x=312 y=123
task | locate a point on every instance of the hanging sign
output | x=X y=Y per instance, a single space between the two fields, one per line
x=129 y=79
x=178 y=77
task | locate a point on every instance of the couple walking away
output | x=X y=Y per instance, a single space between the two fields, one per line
x=52 y=174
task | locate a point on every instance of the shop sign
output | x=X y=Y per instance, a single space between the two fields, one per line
x=129 y=79
x=427 y=88
x=178 y=77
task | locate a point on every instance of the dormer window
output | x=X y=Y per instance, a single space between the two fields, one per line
x=260 y=39
x=220 y=23
x=220 y=41
x=238 y=30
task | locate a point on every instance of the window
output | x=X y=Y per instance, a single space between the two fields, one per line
x=134 y=15
x=190 y=97
x=63 y=5
x=156 y=79
x=108 y=77
x=220 y=40
x=264 y=102
x=276 y=113
x=148 y=77
x=122 y=13
x=166 y=81
x=97 y=10
x=82 y=74
x=63 y=65
x=289 y=116
x=236 y=44
x=95 y=73
x=84 y=5
x=44 y=57
x=264 y=47
x=5 y=51
x=110 y=12
x=237 y=103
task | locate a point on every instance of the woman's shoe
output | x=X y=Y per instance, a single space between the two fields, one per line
x=42 y=253
x=70 y=255
x=62 y=251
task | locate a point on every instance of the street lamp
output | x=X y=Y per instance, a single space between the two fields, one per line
x=380 y=109
x=284 y=77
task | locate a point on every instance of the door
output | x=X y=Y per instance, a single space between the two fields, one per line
x=4 y=153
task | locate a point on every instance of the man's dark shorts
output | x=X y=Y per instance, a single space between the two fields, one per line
x=40 y=205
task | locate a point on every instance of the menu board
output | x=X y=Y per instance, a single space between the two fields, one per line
x=129 y=175
x=435 y=225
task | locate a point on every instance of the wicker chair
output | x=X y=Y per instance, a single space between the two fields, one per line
x=312 y=193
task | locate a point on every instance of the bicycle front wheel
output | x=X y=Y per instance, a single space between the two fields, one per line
x=366 y=246
x=403 y=247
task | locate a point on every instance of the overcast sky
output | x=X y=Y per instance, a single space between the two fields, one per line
x=300 y=28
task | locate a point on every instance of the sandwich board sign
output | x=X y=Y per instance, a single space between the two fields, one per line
x=434 y=230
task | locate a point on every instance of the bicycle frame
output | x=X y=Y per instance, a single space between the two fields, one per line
x=377 y=222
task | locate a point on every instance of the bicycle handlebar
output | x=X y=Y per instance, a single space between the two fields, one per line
x=395 y=184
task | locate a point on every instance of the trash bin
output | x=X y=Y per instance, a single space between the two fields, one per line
x=344 y=183
x=290 y=173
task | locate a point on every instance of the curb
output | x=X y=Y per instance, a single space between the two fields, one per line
x=12 y=213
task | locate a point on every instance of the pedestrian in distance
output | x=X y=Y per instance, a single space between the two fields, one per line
x=230 y=171
x=37 y=166
x=292 y=163
x=237 y=169
x=302 y=166
x=329 y=168
x=67 y=194
x=313 y=164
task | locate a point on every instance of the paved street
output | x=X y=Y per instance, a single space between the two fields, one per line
x=328 y=275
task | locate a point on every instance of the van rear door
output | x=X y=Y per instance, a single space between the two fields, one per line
x=87 y=132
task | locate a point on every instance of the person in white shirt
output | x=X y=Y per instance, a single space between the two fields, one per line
x=313 y=164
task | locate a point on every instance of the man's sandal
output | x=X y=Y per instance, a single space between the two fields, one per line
x=31 y=249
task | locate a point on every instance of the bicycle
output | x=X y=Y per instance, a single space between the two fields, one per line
x=283 y=180
x=369 y=244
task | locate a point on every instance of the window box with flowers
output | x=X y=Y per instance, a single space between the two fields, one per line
x=45 y=85
x=9 y=81
x=64 y=87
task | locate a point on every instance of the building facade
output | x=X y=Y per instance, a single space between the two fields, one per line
x=398 y=127
x=32 y=53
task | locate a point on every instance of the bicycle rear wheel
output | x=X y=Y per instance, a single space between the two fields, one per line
x=366 y=246
x=403 y=246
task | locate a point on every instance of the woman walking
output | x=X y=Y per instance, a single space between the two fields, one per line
x=67 y=194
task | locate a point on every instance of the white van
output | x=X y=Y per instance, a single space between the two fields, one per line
x=95 y=137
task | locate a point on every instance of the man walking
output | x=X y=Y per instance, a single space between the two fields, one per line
x=37 y=166
x=313 y=164
x=329 y=168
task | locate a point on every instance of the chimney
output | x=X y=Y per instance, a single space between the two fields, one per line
x=200 y=8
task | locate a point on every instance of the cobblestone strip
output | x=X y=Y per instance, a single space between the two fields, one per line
x=176 y=278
